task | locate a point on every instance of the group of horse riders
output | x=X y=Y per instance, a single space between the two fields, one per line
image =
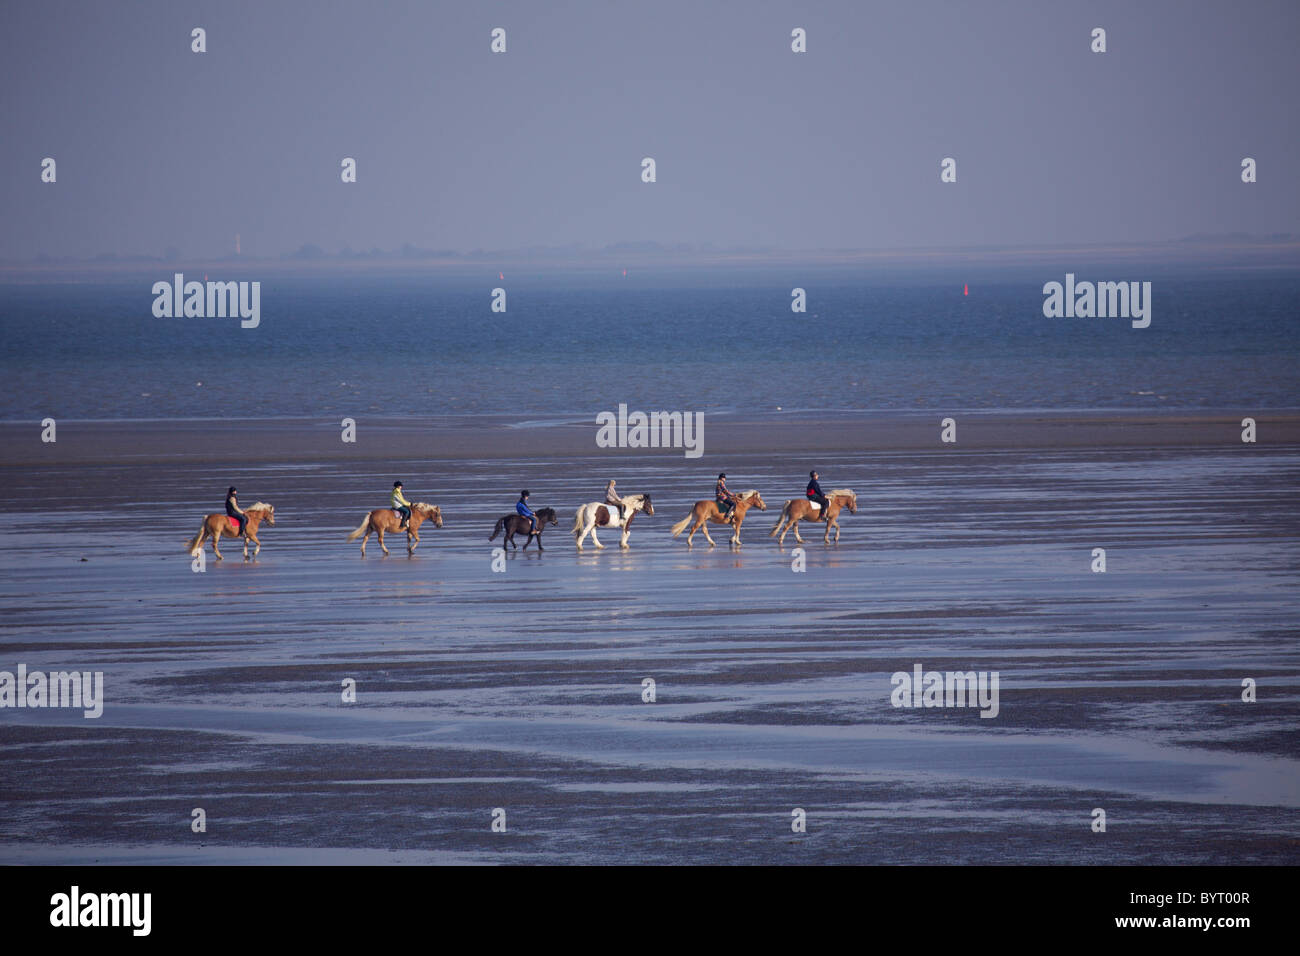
x=726 y=502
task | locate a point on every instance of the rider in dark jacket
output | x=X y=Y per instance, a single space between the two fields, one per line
x=234 y=511
x=726 y=501
x=814 y=493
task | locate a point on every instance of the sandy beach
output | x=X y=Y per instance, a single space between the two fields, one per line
x=522 y=689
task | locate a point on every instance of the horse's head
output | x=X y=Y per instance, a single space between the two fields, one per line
x=432 y=512
x=850 y=498
x=754 y=499
x=646 y=506
x=547 y=516
x=265 y=512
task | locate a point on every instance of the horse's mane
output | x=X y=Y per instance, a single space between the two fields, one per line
x=630 y=498
x=425 y=506
x=751 y=493
x=848 y=492
x=259 y=506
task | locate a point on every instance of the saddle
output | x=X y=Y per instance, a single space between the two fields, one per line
x=606 y=515
x=234 y=523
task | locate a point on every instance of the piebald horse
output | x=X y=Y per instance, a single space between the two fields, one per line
x=706 y=511
x=802 y=509
x=598 y=514
x=383 y=521
x=215 y=525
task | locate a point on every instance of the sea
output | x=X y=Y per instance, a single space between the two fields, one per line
x=568 y=344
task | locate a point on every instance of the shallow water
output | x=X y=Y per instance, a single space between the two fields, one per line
x=522 y=689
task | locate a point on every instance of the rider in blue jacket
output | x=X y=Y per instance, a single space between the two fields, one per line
x=522 y=508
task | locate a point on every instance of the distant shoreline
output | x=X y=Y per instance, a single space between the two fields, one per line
x=283 y=440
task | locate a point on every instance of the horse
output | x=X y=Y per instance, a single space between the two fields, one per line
x=706 y=510
x=386 y=521
x=215 y=525
x=803 y=509
x=598 y=514
x=518 y=524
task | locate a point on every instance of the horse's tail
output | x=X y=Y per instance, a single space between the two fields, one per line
x=577 y=522
x=680 y=526
x=501 y=522
x=193 y=545
x=361 y=528
x=785 y=513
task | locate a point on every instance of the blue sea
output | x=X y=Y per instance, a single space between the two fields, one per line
x=570 y=344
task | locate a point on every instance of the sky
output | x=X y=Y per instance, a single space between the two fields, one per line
x=459 y=148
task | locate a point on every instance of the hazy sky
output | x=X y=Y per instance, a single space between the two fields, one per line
x=460 y=148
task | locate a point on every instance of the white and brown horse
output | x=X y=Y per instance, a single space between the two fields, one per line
x=597 y=514
x=215 y=525
x=383 y=521
x=805 y=509
x=706 y=511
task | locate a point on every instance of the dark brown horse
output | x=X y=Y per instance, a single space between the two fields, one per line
x=215 y=525
x=518 y=524
x=383 y=521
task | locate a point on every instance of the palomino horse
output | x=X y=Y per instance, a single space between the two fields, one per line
x=215 y=525
x=386 y=521
x=518 y=524
x=598 y=514
x=706 y=511
x=803 y=509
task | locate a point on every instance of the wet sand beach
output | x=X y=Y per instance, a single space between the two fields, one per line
x=522 y=689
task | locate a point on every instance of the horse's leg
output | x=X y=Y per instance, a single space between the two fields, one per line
x=379 y=533
x=735 y=535
x=216 y=536
x=539 y=542
x=364 y=539
x=257 y=545
x=704 y=526
x=795 y=524
x=583 y=536
x=412 y=540
x=595 y=540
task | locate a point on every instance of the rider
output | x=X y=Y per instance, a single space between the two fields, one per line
x=612 y=498
x=401 y=505
x=234 y=511
x=725 y=499
x=521 y=507
x=814 y=493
